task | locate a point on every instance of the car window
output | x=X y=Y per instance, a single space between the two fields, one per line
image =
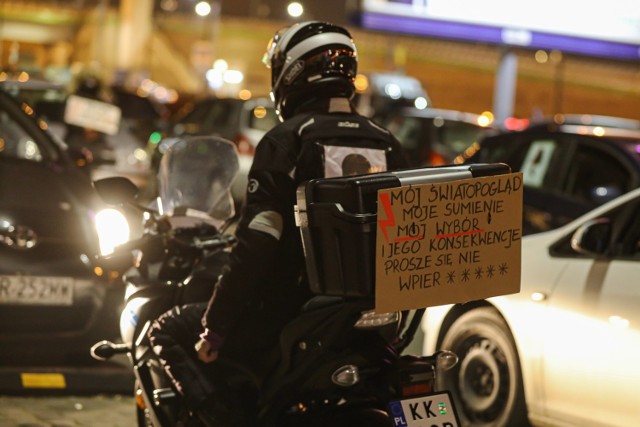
x=419 y=135
x=457 y=136
x=632 y=246
x=263 y=118
x=596 y=176
x=537 y=161
x=197 y=113
x=15 y=142
x=538 y=158
x=209 y=117
x=406 y=130
x=624 y=241
x=219 y=115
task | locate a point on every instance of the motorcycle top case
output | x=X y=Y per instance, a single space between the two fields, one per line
x=338 y=221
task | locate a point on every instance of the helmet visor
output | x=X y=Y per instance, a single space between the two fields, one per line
x=273 y=47
x=268 y=55
x=339 y=61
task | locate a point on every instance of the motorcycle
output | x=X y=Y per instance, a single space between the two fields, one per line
x=337 y=363
x=180 y=253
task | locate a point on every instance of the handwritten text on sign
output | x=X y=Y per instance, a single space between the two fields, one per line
x=449 y=242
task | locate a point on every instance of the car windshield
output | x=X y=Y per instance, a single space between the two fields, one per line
x=15 y=142
x=263 y=118
x=448 y=137
x=214 y=111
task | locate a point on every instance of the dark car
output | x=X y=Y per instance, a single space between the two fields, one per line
x=54 y=303
x=238 y=120
x=119 y=152
x=379 y=94
x=433 y=136
x=568 y=169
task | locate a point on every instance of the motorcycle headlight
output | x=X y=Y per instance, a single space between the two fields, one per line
x=112 y=228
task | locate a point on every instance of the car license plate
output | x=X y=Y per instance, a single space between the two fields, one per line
x=433 y=410
x=36 y=290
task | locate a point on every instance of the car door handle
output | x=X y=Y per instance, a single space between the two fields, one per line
x=19 y=237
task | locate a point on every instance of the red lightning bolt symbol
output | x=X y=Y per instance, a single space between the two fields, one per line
x=391 y=220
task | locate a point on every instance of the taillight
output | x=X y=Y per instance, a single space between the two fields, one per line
x=417 y=389
x=513 y=123
x=436 y=159
x=244 y=145
x=415 y=376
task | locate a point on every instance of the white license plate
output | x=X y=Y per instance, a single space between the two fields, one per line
x=36 y=290
x=434 y=410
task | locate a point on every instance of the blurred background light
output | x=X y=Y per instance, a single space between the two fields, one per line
x=295 y=9
x=203 y=8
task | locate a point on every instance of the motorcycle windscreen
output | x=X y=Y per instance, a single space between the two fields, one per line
x=196 y=173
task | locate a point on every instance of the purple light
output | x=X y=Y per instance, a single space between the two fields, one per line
x=494 y=35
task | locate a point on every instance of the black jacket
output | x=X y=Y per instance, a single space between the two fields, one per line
x=266 y=268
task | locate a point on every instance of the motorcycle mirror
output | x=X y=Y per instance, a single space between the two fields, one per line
x=104 y=350
x=116 y=190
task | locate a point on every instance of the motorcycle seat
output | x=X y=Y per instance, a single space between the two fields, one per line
x=321 y=301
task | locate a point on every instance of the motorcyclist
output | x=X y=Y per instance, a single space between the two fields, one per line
x=313 y=67
x=81 y=136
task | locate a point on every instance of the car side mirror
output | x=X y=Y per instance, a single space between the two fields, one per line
x=116 y=190
x=592 y=237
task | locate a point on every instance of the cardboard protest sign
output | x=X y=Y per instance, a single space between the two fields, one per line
x=448 y=242
x=92 y=114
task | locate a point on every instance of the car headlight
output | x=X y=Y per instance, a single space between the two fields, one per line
x=112 y=228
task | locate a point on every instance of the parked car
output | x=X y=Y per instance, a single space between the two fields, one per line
x=433 y=136
x=596 y=120
x=564 y=349
x=243 y=122
x=380 y=93
x=240 y=121
x=119 y=152
x=53 y=303
x=568 y=169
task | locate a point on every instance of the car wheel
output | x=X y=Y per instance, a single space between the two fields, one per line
x=486 y=385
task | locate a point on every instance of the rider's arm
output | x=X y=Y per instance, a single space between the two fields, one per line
x=268 y=202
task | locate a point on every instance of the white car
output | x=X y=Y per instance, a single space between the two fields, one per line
x=565 y=350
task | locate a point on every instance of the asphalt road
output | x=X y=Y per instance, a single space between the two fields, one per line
x=67 y=411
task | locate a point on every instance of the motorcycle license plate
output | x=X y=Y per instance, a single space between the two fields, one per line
x=36 y=290
x=433 y=410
